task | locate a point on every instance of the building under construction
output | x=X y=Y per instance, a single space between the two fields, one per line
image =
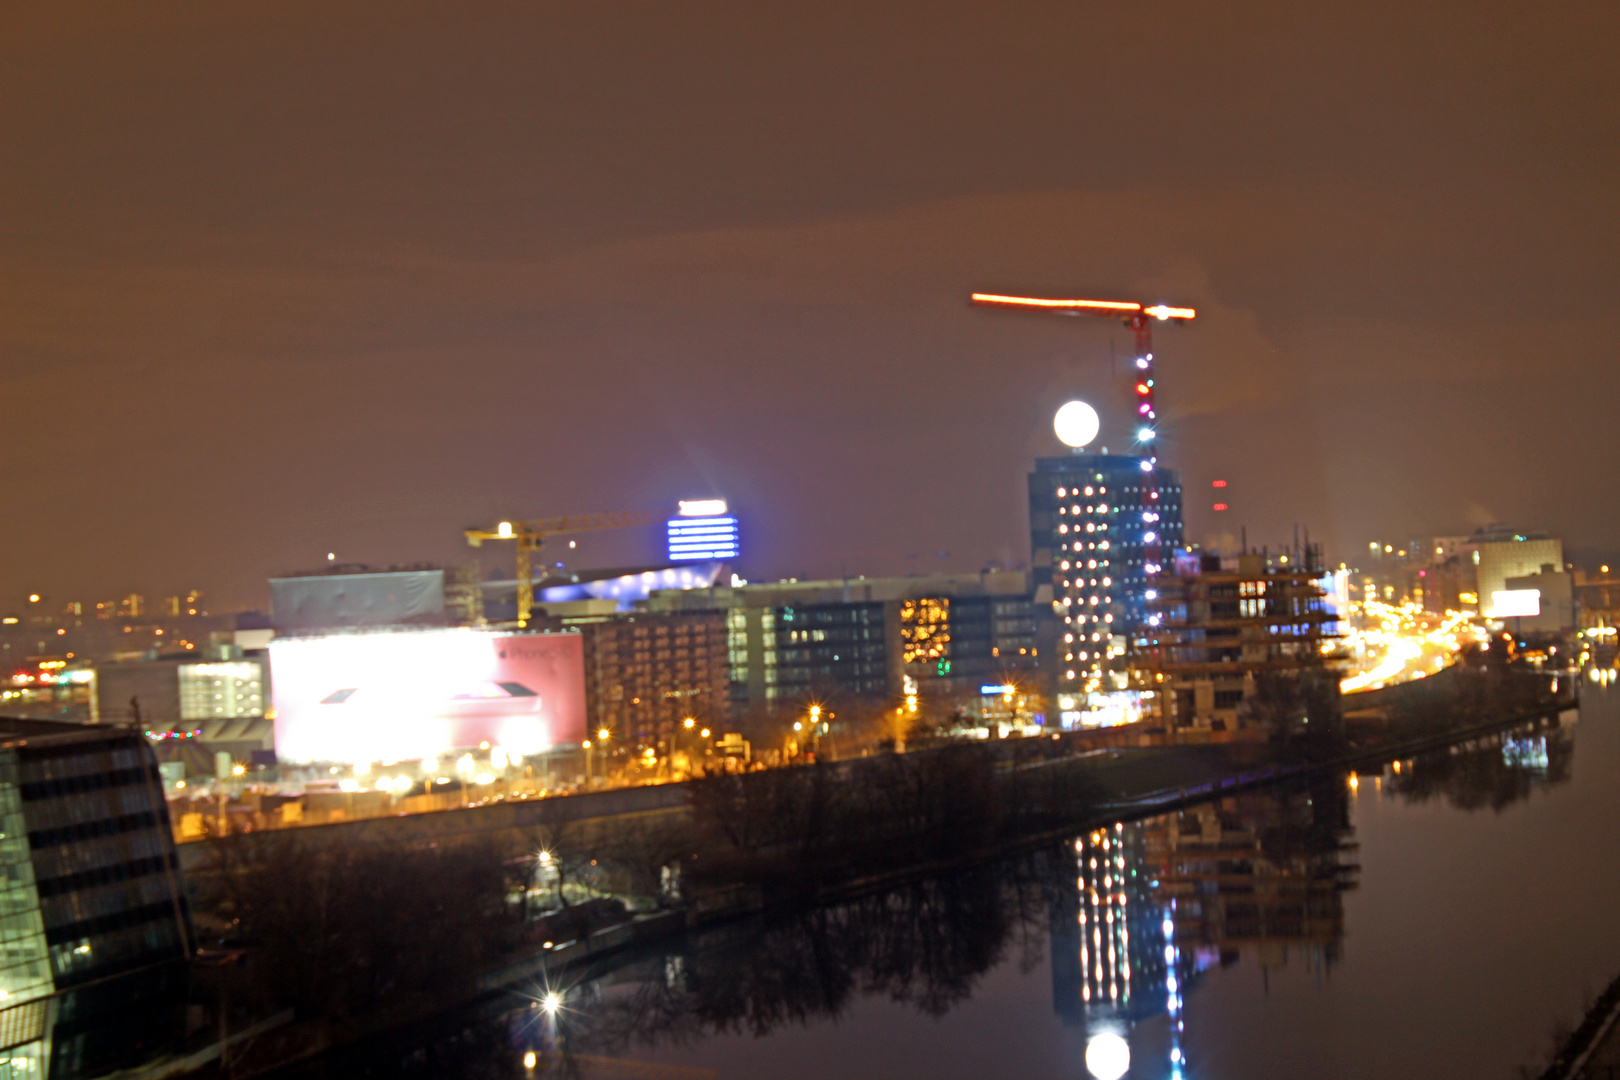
x=1246 y=647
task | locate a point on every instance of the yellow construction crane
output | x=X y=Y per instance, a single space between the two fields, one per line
x=528 y=536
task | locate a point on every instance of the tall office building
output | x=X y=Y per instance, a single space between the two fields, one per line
x=1100 y=526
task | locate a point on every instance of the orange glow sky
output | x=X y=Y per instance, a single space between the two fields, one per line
x=283 y=279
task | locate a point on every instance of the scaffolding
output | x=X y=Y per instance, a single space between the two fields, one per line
x=1245 y=645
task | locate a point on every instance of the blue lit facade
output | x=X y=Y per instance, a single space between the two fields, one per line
x=692 y=539
x=1101 y=526
x=629 y=589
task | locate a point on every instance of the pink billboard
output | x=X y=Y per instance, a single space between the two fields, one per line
x=407 y=695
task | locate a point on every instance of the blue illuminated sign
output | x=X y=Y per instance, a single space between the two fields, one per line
x=996 y=689
x=695 y=538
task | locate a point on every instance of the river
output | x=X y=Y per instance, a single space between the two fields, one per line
x=1438 y=919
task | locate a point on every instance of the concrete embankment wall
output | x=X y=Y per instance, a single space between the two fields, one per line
x=514 y=821
x=508 y=822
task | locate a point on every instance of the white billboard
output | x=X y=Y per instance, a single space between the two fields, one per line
x=408 y=695
x=1511 y=603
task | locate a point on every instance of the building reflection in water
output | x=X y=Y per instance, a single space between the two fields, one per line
x=1133 y=914
x=1493 y=772
x=1158 y=902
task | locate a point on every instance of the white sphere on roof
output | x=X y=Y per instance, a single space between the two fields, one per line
x=1076 y=424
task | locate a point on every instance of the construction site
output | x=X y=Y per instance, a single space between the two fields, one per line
x=1246 y=648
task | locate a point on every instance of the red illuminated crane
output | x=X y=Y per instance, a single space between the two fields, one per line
x=1140 y=318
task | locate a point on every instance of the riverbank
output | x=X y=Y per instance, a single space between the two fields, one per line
x=782 y=840
x=1131 y=784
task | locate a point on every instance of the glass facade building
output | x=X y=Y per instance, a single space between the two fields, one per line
x=881 y=639
x=816 y=648
x=94 y=927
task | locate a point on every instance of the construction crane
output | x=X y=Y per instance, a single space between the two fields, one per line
x=528 y=536
x=1140 y=318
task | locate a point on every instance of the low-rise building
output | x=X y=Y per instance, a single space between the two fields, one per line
x=646 y=673
x=1245 y=645
x=938 y=635
x=1499 y=553
x=217 y=683
x=1546 y=603
x=1597 y=599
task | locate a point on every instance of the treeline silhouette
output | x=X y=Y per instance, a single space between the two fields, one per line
x=825 y=823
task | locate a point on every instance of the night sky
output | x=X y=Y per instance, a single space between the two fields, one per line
x=279 y=279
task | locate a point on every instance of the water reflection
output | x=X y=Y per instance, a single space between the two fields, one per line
x=1159 y=902
x=926 y=946
x=1132 y=917
x=1494 y=772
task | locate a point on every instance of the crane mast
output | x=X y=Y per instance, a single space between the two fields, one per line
x=529 y=536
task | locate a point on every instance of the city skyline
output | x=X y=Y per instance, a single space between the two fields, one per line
x=828 y=539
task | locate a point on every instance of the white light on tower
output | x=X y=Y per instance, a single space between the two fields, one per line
x=1076 y=424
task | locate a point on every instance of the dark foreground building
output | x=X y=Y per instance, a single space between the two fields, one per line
x=94 y=929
